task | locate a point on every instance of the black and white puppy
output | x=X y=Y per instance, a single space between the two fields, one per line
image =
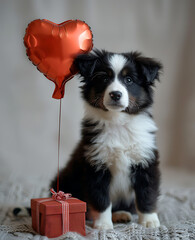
x=117 y=157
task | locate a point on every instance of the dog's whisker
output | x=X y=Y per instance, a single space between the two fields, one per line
x=95 y=102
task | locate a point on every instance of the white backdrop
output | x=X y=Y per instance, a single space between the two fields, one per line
x=29 y=116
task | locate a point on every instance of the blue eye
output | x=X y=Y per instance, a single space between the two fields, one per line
x=128 y=80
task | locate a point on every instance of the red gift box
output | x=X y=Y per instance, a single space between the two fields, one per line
x=53 y=218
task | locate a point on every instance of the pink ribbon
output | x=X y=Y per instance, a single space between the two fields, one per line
x=59 y=197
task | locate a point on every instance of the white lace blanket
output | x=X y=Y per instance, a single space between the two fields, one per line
x=176 y=213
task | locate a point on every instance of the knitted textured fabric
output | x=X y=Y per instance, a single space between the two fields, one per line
x=176 y=213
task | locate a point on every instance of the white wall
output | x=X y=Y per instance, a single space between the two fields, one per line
x=29 y=116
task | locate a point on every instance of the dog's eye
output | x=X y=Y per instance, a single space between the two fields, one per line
x=128 y=80
x=105 y=79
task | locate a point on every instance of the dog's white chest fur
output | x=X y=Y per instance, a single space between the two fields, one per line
x=124 y=140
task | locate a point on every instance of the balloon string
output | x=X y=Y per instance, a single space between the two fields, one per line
x=58 y=176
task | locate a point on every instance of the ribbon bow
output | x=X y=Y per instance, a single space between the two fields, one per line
x=60 y=195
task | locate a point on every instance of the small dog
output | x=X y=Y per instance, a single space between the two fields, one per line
x=116 y=158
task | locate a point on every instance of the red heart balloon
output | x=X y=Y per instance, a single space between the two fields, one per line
x=53 y=47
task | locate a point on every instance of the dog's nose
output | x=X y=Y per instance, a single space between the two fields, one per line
x=115 y=95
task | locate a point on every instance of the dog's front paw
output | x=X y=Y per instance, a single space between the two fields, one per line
x=103 y=220
x=103 y=225
x=149 y=220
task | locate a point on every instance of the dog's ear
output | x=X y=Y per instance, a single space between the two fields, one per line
x=148 y=68
x=85 y=64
